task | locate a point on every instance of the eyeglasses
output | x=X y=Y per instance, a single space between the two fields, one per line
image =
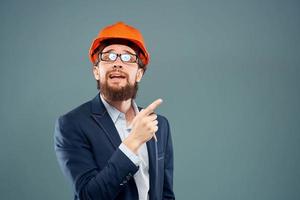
x=111 y=57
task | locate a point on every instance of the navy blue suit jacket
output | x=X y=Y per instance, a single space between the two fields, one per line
x=86 y=145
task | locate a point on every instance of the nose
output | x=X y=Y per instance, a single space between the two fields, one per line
x=118 y=63
x=117 y=66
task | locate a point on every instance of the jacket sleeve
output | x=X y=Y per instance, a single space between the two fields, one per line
x=168 y=192
x=76 y=160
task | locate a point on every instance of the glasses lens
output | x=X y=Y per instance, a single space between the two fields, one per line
x=108 y=56
x=112 y=56
x=128 y=58
x=125 y=57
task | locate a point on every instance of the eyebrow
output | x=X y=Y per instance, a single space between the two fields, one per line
x=110 y=50
x=130 y=52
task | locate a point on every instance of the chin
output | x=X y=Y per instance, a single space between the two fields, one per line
x=117 y=85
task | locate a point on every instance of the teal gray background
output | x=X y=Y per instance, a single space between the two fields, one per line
x=228 y=71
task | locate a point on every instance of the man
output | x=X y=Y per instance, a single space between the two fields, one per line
x=109 y=148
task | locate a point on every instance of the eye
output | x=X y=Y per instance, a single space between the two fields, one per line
x=112 y=56
x=126 y=57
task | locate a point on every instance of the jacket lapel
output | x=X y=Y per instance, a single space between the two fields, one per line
x=152 y=155
x=101 y=116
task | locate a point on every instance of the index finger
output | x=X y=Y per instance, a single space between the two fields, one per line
x=150 y=109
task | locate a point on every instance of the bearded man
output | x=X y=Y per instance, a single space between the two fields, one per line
x=109 y=148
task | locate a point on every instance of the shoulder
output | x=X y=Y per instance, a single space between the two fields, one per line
x=163 y=134
x=68 y=126
x=162 y=120
x=76 y=114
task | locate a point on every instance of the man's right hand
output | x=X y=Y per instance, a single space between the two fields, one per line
x=144 y=126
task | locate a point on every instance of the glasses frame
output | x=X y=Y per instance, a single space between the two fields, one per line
x=118 y=55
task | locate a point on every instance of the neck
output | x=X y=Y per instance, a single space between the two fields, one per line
x=123 y=106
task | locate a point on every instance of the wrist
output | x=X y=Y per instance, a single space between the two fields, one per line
x=132 y=143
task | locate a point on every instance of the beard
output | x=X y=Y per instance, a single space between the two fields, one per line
x=123 y=93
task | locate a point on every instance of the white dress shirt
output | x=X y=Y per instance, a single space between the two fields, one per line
x=141 y=177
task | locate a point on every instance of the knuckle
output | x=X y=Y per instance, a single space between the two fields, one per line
x=149 y=127
x=153 y=115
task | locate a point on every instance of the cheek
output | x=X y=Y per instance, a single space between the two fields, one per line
x=102 y=73
x=133 y=77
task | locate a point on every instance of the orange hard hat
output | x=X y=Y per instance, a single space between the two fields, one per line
x=122 y=31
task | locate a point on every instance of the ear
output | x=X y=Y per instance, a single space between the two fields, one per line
x=96 y=72
x=139 y=74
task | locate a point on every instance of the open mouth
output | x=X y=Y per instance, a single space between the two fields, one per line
x=116 y=76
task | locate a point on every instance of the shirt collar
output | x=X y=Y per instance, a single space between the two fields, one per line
x=115 y=113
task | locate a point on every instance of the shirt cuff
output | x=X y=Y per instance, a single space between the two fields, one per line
x=132 y=156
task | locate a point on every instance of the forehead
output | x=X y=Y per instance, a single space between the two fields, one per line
x=118 y=48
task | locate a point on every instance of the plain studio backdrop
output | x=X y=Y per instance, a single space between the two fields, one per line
x=228 y=72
